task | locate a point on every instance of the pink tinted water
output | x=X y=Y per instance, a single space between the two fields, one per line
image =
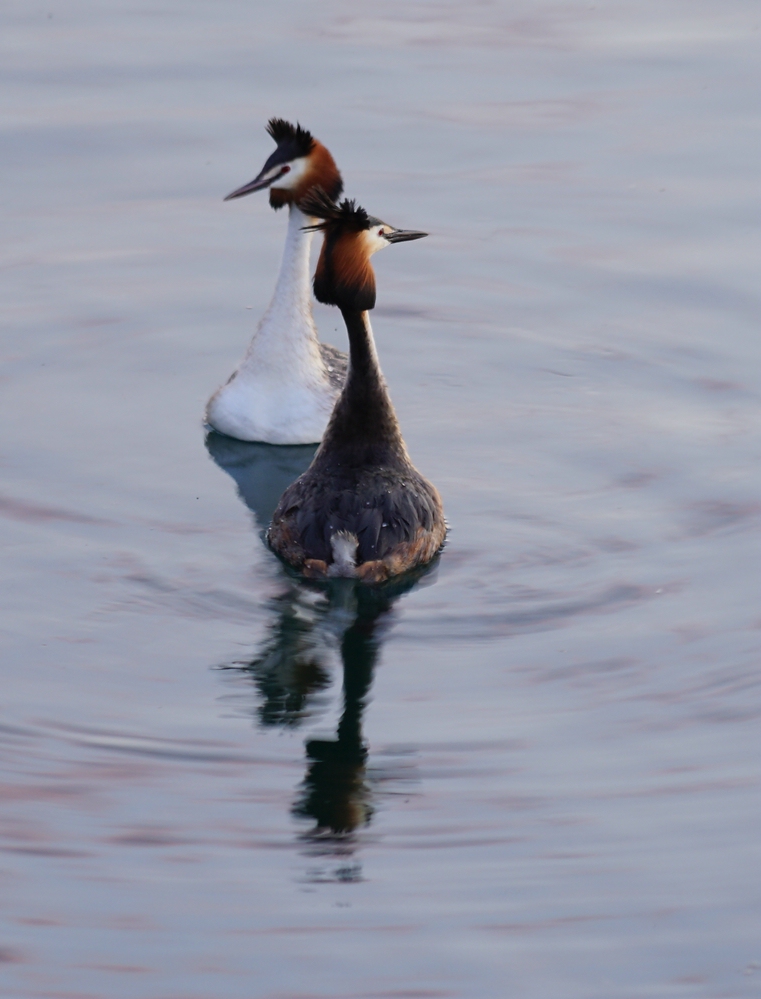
x=560 y=793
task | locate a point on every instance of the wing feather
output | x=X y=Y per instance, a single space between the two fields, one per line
x=382 y=509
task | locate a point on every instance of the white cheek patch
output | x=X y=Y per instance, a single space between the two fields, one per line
x=297 y=170
x=274 y=173
x=373 y=241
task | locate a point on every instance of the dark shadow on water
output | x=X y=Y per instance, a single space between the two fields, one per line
x=312 y=625
x=313 y=622
x=335 y=794
x=292 y=665
x=261 y=471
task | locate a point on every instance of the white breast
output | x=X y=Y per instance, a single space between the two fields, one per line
x=281 y=392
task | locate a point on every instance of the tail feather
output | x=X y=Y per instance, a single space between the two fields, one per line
x=344 y=546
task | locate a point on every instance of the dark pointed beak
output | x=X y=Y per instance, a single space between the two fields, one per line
x=402 y=235
x=257 y=184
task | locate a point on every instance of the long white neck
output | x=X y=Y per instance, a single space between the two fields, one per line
x=287 y=334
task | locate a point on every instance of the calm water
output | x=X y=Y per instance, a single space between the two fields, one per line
x=540 y=763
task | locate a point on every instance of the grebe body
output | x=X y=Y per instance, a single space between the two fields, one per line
x=284 y=389
x=361 y=510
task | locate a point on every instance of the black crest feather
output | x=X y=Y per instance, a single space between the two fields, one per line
x=299 y=138
x=348 y=215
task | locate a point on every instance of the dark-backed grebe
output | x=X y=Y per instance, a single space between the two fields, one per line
x=284 y=388
x=361 y=509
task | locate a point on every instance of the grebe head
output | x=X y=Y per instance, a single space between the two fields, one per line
x=344 y=275
x=299 y=163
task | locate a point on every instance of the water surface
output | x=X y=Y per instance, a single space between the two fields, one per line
x=535 y=771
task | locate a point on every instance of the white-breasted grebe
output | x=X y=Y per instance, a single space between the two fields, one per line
x=284 y=389
x=361 y=509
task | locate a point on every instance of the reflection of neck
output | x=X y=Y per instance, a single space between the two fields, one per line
x=359 y=650
x=287 y=333
x=363 y=420
x=334 y=792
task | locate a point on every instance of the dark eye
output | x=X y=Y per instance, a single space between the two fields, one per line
x=381 y=232
x=286 y=169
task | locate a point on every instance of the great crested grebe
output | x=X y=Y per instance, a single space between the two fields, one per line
x=361 y=509
x=284 y=389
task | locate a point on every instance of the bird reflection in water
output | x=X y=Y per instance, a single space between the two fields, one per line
x=262 y=472
x=313 y=623
x=335 y=793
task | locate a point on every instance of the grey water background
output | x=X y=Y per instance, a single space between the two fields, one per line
x=561 y=790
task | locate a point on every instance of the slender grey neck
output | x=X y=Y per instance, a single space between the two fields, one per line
x=363 y=428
